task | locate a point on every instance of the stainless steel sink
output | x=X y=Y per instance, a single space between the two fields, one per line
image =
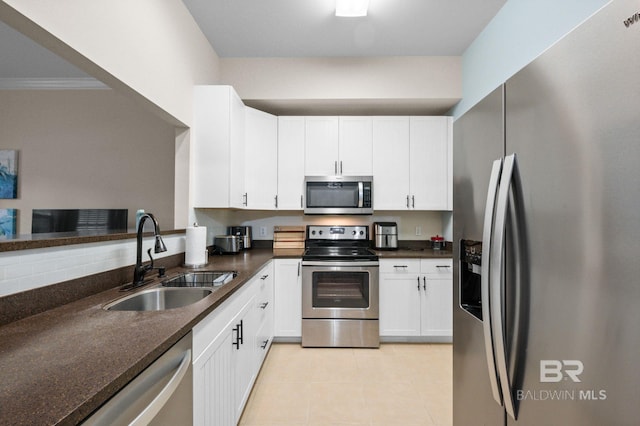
x=159 y=299
x=201 y=279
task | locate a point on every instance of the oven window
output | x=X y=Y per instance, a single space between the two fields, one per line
x=340 y=290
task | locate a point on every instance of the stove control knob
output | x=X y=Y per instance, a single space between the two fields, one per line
x=320 y=232
x=353 y=232
x=361 y=232
x=313 y=232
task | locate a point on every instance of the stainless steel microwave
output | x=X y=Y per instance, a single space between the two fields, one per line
x=338 y=195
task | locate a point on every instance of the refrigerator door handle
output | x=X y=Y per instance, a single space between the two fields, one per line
x=497 y=283
x=487 y=235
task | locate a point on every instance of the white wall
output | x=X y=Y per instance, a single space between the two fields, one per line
x=519 y=33
x=151 y=50
x=216 y=221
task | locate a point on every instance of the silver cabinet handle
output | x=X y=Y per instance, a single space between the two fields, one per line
x=424 y=284
x=413 y=201
x=341 y=167
x=335 y=167
x=443 y=266
x=276 y=201
x=264 y=305
x=159 y=401
x=245 y=202
x=418 y=283
x=497 y=283
x=407 y=201
x=264 y=344
x=301 y=202
x=264 y=277
x=400 y=266
x=487 y=235
x=298 y=268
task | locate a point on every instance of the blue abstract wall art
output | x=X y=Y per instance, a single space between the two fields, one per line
x=8 y=173
x=8 y=222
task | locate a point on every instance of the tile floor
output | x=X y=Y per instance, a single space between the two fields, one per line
x=398 y=384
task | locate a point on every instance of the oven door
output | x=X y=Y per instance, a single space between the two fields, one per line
x=340 y=290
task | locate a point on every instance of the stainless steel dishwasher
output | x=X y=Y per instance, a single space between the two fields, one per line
x=161 y=395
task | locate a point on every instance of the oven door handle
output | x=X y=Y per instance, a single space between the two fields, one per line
x=366 y=263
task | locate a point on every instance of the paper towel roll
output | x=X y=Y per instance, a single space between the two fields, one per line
x=196 y=246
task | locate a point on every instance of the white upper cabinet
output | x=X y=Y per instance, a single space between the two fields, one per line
x=261 y=160
x=321 y=146
x=291 y=131
x=338 y=146
x=411 y=163
x=391 y=157
x=430 y=139
x=218 y=147
x=355 y=153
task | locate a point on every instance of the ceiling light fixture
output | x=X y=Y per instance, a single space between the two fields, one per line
x=351 y=8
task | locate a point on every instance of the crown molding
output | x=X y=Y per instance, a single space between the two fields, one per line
x=50 y=84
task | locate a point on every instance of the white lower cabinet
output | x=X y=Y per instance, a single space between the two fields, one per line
x=288 y=298
x=226 y=359
x=416 y=298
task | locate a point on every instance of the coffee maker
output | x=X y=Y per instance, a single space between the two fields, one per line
x=385 y=235
x=244 y=232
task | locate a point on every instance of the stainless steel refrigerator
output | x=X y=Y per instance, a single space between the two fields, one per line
x=547 y=236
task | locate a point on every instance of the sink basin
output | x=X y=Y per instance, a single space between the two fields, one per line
x=201 y=279
x=159 y=299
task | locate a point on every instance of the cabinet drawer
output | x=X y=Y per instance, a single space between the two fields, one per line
x=400 y=266
x=437 y=268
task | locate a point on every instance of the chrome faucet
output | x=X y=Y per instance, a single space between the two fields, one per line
x=140 y=270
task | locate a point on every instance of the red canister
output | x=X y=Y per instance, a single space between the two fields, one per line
x=437 y=242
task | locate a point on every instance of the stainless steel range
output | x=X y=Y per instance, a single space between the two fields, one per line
x=340 y=288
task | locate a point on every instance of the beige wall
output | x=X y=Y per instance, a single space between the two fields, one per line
x=87 y=149
x=374 y=85
x=151 y=50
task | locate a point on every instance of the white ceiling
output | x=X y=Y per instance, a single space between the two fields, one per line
x=309 y=28
x=296 y=28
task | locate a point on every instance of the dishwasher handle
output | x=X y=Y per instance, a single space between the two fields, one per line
x=161 y=399
x=136 y=404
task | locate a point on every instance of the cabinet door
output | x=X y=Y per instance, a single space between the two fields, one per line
x=213 y=384
x=236 y=160
x=288 y=298
x=321 y=146
x=211 y=133
x=437 y=307
x=390 y=163
x=399 y=305
x=290 y=163
x=429 y=164
x=244 y=330
x=261 y=154
x=356 y=146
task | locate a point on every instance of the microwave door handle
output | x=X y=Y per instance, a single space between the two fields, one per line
x=360 y=194
x=485 y=276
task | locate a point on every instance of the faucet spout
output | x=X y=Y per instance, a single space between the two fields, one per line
x=139 y=271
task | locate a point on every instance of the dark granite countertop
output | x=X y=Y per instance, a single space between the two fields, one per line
x=58 y=366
